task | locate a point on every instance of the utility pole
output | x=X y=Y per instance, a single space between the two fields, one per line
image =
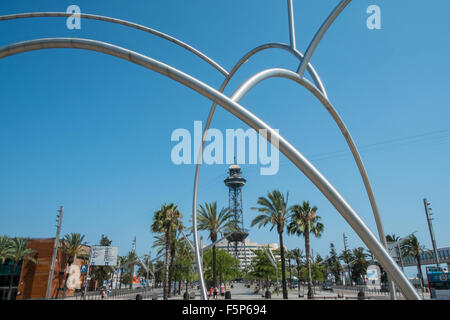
x=55 y=251
x=430 y=226
x=348 y=262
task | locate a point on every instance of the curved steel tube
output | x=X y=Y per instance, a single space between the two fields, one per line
x=251 y=120
x=247 y=56
x=291 y=24
x=315 y=41
x=283 y=73
x=124 y=23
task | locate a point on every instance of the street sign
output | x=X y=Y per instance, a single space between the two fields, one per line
x=83 y=268
x=104 y=256
x=392 y=248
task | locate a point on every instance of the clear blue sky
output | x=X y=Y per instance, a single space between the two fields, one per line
x=92 y=132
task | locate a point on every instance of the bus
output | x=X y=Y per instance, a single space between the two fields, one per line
x=438 y=283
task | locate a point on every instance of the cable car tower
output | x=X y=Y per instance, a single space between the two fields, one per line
x=235 y=182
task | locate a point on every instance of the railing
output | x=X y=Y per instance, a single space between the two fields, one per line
x=115 y=293
x=366 y=290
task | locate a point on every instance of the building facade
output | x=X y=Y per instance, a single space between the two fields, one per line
x=245 y=250
x=31 y=279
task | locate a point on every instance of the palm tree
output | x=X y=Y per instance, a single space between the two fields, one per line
x=208 y=220
x=360 y=263
x=274 y=211
x=5 y=248
x=289 y=260
x=72 y=244
x=122 y=262
x=18 y=252
x=297 y=255
x=304 y=221
x=160 y=244
x=411 y=247
x=166 y=221
x=392 y=238
x=347 y=256
x=130 y=261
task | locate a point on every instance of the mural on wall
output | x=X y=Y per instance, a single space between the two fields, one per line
x=74 y=280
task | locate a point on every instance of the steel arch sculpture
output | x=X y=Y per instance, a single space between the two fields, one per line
x=231 y=105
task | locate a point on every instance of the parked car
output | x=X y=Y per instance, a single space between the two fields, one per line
x=327 y=287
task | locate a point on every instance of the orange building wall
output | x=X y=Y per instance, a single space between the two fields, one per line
x=34 y=277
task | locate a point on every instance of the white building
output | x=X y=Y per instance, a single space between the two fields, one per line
x=244 y=251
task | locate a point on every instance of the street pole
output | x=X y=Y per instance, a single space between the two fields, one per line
x=55 y=251
x=86 y=283
x=430 y=226
x=401 y=257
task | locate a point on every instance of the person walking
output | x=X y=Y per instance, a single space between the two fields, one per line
x=211 y=292
x=103 y=294
x=222 y=290
x=215 y=293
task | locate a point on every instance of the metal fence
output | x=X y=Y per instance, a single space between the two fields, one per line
x=114 y=294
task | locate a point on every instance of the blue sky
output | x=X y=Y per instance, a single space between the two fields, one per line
x=92 y=132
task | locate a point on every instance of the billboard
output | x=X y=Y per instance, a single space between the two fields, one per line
x=373 y=277
x=104 y=256
x=392 y=249
x=438 y=283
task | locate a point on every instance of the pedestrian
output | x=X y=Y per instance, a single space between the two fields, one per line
x=222 y=290
x=211 y=292
x=215 y=293
x=103 y=294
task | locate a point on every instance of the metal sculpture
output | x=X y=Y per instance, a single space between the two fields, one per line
x=232 y=106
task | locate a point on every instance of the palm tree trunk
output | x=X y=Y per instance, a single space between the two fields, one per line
x=308 y=263
x=290 y=272
x=131 y=275
x=166 y=267
x=298 y=278
x=419 y=268
x=65 y=281
x=214 y=266
x=171 y=281
x=283 y=267
x=11 y=279
x=120 y=279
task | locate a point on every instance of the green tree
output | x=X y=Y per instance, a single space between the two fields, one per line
x=297 y=255
x=333 y=264
x=227 y=266
x=262 y=269
x=122 y=263
x=159 y=272
x=72 y=245
x=392 y=238
x=305 y=221
x=411 y=247
x=215 y=224
x=160 y=245
x=5 y=248
x=289 y=260
x=130 y=262
x=274 y=210
x=347 y=256
x=359 y=265
x=166 y=221
x=18 y=252
x=183 y=270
